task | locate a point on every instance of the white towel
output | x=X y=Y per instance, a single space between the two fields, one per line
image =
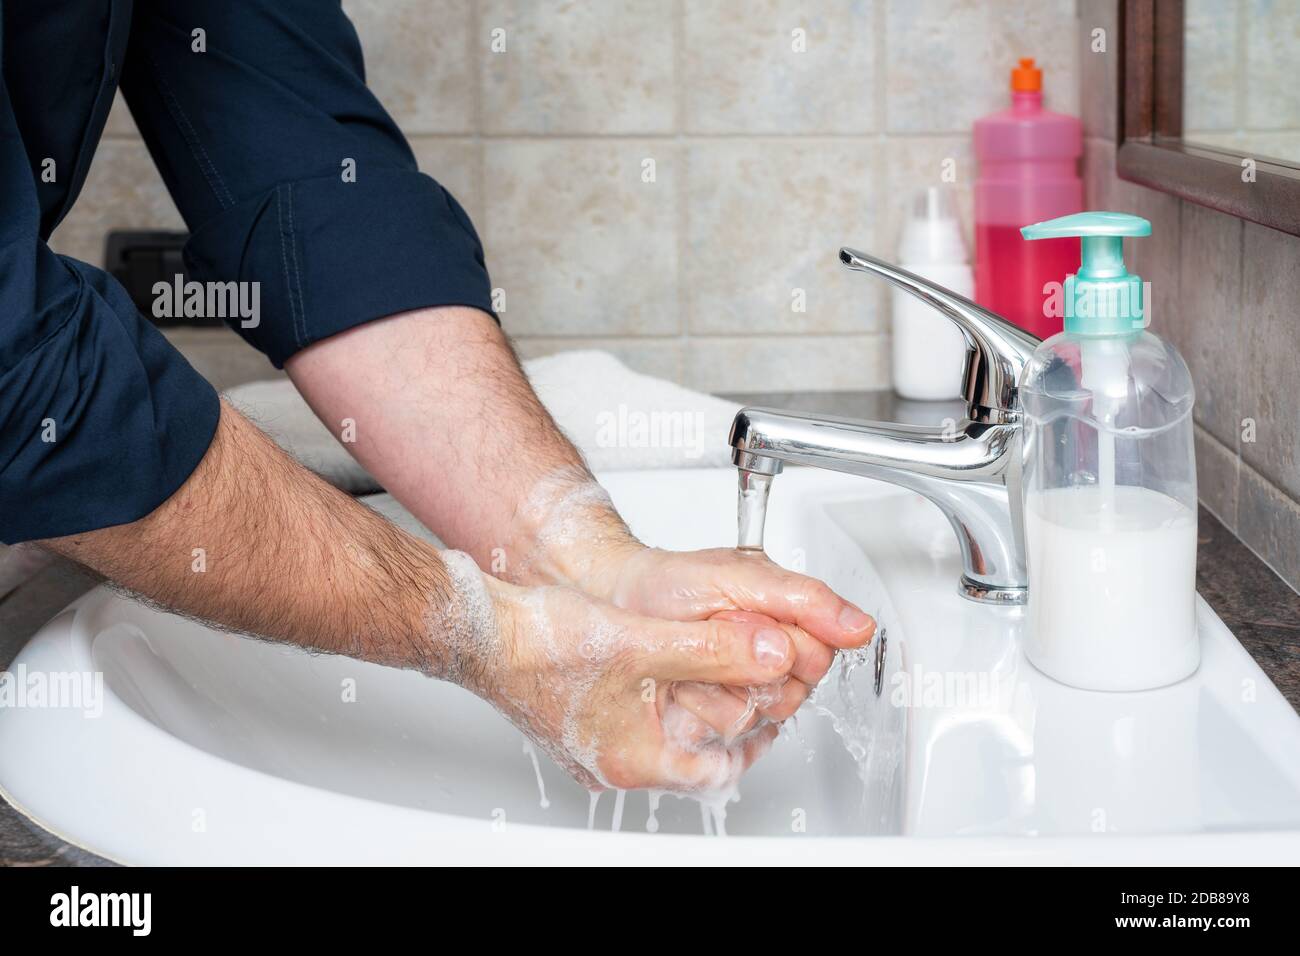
x=278 y=409
x=619 y=419
x=622 y=420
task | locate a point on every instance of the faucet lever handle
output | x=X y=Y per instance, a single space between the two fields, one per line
x=996 y=350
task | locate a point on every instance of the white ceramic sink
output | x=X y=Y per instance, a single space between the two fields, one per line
x=216 y=749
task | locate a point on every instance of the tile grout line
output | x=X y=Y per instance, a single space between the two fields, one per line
x=880 y=72
x=702 y=337
x=479 y=65
x=881 y=170
x=766 y=136
x=1240 y=341
x=681 y=210
x=1241 y=74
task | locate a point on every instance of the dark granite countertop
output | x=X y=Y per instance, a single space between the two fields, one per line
x=1257 y=606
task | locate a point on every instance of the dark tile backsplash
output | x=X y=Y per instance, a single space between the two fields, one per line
x=1270 y=385
x=1209 y=325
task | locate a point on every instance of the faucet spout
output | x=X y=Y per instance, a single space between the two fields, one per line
x=971 y=470
x=903 y=454
x=965 y=470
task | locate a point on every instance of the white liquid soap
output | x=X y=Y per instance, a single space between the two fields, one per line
x=1112 y=605
x=1109 y=480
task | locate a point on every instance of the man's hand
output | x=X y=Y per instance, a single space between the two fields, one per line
x=621 y=700
x=446 y=420
x=724 y=582
x=567 y=531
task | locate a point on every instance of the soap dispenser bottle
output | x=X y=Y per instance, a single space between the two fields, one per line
x=1110 y=479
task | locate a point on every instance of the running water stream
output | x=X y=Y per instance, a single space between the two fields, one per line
x=751 y=509
x=841 y=698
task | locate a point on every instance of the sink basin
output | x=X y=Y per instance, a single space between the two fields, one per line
x=212 y=748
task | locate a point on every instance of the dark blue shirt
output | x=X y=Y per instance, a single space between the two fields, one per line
x=101 y=420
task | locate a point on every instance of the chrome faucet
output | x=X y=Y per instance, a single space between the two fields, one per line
x=971 y=470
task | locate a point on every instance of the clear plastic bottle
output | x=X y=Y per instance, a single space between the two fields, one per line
x=1110 y=480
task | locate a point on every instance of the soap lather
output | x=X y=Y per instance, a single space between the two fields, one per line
x=1110 y=479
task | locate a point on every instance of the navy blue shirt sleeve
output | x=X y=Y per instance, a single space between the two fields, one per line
x=253 y=124
x=290 y=173
x=101 y=419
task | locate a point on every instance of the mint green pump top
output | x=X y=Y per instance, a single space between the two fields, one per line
x=1102 y=298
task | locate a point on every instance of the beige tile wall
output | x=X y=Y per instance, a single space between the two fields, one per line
x=1224 y=292
x=765 y=161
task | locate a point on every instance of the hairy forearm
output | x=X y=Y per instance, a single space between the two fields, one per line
x=446 y=420
x=435 y=405
x=255 y=543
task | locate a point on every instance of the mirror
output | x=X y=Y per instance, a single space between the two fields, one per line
x=1209 y=106
x=1240 y=86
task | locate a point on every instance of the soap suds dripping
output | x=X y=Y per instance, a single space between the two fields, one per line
x=716 y=811
x=652 y=821
x=537 y=771
x=618 y=810
x=725 y=760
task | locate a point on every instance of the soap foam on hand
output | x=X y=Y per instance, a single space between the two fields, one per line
x=1112 y=605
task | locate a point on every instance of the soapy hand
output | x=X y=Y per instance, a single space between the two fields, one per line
x=569 y=532
x=740 y=586
x=617 y=699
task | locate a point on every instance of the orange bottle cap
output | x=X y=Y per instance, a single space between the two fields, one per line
x=1026 y=78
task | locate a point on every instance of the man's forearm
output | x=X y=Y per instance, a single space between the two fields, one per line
x=446 y=420
x=436 y=406
x=255 y=543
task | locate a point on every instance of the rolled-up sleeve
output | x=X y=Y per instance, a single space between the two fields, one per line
x=290 y=173
x=101 y=420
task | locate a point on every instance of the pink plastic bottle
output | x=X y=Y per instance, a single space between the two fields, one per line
x=1028 y=172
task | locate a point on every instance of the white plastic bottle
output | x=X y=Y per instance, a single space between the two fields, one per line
x=929 y=354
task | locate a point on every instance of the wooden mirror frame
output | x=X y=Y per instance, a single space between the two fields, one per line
x=1151 y=147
